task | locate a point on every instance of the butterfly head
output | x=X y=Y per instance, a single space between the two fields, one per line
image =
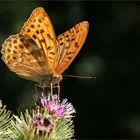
x=54 y=79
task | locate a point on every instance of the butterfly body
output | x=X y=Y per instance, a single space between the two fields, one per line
x=37 y=54
x=45 y=80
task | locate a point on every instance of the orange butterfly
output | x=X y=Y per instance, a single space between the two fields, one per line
x=37 y=54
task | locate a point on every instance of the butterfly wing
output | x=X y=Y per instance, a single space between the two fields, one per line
x=40 y=29
x=30 y=54
x=69 y=44
x=24 y=57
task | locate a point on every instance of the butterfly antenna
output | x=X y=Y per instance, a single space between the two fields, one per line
x=82 y=77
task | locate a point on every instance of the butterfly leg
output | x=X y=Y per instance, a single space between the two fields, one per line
x=51 y=86
x=43 y=90
x=39 y=93
x=37 y=86
x=58 y=87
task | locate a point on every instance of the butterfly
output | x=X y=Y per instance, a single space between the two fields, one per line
x=37 y=54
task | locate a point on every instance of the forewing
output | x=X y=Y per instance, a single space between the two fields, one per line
x=69 y=44
x=22 y=56
x=40 y=29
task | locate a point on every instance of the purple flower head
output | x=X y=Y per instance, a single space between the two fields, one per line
x=53 y=106
x=42 y=124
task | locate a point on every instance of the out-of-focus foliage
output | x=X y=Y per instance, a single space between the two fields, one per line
x=108 y=107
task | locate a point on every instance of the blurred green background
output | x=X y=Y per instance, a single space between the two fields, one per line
x=108 y=107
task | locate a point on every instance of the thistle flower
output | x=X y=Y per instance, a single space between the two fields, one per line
x=52 y=120
x=42 y=124
x=55 y=107
x=5 y=123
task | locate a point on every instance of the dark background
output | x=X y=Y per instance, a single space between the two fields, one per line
x=108 y=107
